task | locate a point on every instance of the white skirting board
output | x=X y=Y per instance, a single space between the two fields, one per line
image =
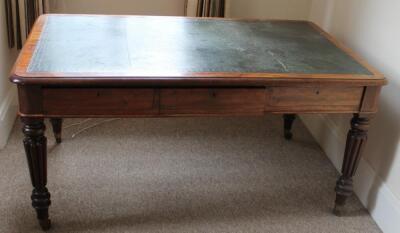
x=374 y=194
x=8 y=113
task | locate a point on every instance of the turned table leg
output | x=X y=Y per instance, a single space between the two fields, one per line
x=35 y=144
x=288 y=122
x=57 y=128
x=356 y=139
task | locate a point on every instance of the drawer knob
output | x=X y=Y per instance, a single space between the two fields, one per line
x=213 y=94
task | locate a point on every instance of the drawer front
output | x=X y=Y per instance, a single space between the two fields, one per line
x=314 y=99
x=212 y=101
x=199 y=101
x=99 y=101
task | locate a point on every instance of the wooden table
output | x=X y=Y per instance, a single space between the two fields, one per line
x=137 y=66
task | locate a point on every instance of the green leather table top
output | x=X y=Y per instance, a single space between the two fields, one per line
x=175 y=45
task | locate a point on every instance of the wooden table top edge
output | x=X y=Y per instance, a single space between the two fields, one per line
x=19 y=74
x=196 y=81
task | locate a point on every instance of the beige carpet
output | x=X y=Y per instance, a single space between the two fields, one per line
x=180 y=175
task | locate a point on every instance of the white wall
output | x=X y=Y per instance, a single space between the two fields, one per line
x=371 y=28
x=271 y=9
x=139 y=7
x=7 y=90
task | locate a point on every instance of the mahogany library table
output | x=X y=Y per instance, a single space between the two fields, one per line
x=144 y=66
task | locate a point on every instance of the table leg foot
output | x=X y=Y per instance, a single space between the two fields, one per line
x=41 y=202
x=288 y=123
x=45 y=224
x=340 y=202
x=338 y=210
x=57 y=128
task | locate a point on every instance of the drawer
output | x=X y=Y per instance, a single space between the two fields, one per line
x=314 y=99
x=99 y=101
x=212 y=101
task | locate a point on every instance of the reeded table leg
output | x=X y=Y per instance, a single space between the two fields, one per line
x=36 y=152
x=57 y=128
x=356 y=139
x=288 y=123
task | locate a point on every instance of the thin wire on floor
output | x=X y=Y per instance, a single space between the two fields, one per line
x=81 y=130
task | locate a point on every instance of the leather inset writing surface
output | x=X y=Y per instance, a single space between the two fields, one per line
x=168 y=46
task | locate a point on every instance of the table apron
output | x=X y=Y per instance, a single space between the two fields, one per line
x=38 y=101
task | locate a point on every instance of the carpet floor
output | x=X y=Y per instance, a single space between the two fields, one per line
x=189 y=175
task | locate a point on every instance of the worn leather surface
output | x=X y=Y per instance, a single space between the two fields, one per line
x=168 y=45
